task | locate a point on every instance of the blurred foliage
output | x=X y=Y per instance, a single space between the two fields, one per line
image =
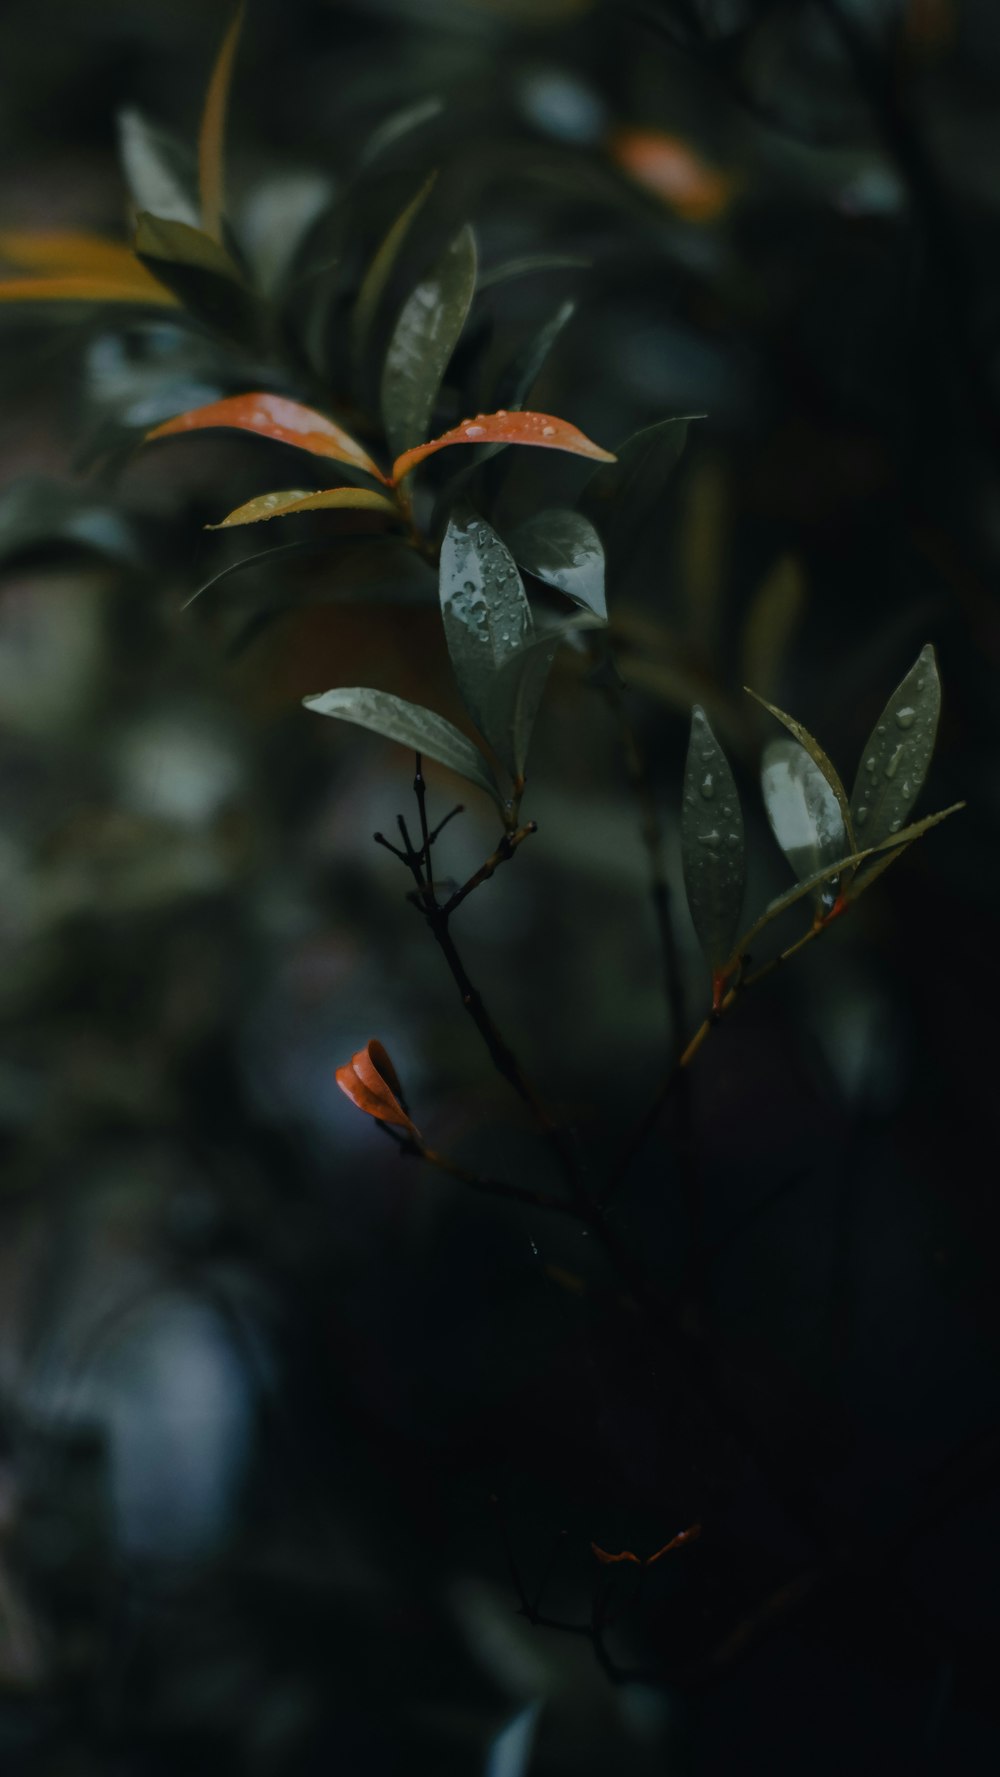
x=261 y=1376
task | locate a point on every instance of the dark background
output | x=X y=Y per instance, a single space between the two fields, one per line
x=259 y=1377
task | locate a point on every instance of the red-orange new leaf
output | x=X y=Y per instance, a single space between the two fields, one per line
x=371 y=1082
x=274 y=416
x=676 y=1542
x=543 y=430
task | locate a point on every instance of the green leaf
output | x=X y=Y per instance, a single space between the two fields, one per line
x=521 y=374
x=563 y=549
x=895 y=760
x=819 y=758
x=376 y=278
x=713 y=847
x=198 y=270
x=487 y=621
x=804 y=813
x=423 y=341
x=160 y=172
x=531 y=264
x=412 y=726
x=619 y=499
x=515 y=692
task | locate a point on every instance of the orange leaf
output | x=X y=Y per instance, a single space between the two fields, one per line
x=371 y=1082
x=74 y=253
x=274 y=416
x=673 y=171
x=541 y=429
x=86 y=288
x=676 y=1542
x=279 y=505
x=211 y=135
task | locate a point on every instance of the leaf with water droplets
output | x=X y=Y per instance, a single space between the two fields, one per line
x=896 y=758
x=274 y=416
x=424 y=339
x=804 y=813
x=819 y=758
x=281 y=505
x=371 y=1082
x=521 y=373
x=563 y=549
x=422 y=730
x=541 y=429
x=713 y=847
x=514 y=693
x=487 y=621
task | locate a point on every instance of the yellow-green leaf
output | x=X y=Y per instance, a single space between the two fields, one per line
x=211 y=135
x=280 y=505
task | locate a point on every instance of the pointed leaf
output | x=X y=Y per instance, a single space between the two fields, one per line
x=533 y=263
x=398 y=125
x=280 y=505
x=370 y=1081
x=274 y=416
x=804 y=813
x=423 y=731
x=898 y=753
x=819 y=759
x=521 y=374
x=541 y=429
x=159 y=171
x=713 y=847
x=563 y=549
x=211 y=135
x=74 y=289
x=514 y=692
x=424 y=339
x=199 y=271
x=376 y=278
x=619 y=500
x=73 y=253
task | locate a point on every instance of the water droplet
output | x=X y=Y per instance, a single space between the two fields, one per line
x=709 y=839
x=905 y=717
x=548 y=431
x=706 y=754
x=892 y=764
x=501 y=413
x=881 y=728
x=733 y=840
x=870 y=763
x=469 y=586
x=894 y=826
x=861 y=816
x=708 y=786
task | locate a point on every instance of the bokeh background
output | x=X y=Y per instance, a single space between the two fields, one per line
x=259 y=1377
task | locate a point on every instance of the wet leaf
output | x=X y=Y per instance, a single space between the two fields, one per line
x=817 y=755
x=275 y=417
x=805 y=815
x=422 y=730
x=212 y=133
x=280 y=505
x=530 y=265
x=159 y=171
x=713 y=847
x=424 y=339
x=898 y=753
x=380 y=570
x=370 y=1081
x=563 y=549
x=376 y=278
x=514 y=693
x=487 y=620
x=198 y=270
x=619 y=499
x=543 y=430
